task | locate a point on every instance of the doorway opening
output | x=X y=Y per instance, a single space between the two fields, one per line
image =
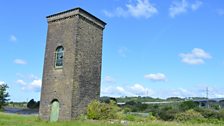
x=55 y=106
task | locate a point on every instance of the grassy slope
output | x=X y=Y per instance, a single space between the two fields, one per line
x=19 y=120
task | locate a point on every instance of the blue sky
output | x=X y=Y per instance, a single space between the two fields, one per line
x=151 y=48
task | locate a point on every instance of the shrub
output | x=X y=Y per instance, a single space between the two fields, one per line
x=136 y=106
x=33 y=104
x=126 y=110
x=167 y=113
x=189 y=115
x=212 y=115
x=151 y=117
x=221 y=114
x=208 y=113
x=130 y=117
x=187 y=105
x=99 y=111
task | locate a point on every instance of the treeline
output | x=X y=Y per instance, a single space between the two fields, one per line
x=150 y=99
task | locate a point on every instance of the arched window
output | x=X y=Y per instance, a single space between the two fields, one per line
x=59 y=56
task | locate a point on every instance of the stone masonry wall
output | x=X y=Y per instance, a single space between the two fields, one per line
x=87 y=65
x=58 y=82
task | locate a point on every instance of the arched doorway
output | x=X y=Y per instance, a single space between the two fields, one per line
x=55 y=106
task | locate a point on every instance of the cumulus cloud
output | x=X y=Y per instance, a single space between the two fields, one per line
x=132 y=90
x=180 y=7
x=156 y=77
x=109 y=80
x=34 y=85
x=140 y=90
x=21 y=82
x=20 y=61
x=13 y=38
x=29 y=82
x=197 y=56
x=143 y=8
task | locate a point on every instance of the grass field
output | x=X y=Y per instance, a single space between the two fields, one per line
x=22 y=120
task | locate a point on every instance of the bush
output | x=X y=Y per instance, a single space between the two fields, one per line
x=221 y=114
x=167 y=113
x=151 y=117
x=99 y=111
x=33 y=104
x=130 y=117
x=212 y=114
x=187 y=105
x=189 y=115
x=136 y=106
x=208 y=113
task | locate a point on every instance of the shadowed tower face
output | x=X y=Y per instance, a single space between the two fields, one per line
x=72 y=64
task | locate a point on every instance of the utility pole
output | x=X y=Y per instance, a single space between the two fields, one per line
x=207 y=96
x=207 y=92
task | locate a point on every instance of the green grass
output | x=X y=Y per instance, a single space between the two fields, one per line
x=21 y=120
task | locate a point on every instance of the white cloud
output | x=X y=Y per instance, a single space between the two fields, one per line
x=123 y=51
x=109 y=79
x=29 y=82
x=20 y=61
x=196 y=5
x=180 y=7
x=197 y=56
x=115 y=91
x=181 y=92
x=118 y=12
x=2 y=82
x=156 y=77
x=120 y=90
x=143 y=8
x=132 y=90
x=13 y=38
x=35 y=85
x=140 y=90
x=21 y=82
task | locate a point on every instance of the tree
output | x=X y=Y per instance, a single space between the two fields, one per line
x=3 y=95
x=32 y=104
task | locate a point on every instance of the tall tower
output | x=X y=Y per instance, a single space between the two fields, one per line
x=72 y=64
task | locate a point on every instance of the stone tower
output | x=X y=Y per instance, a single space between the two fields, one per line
x=72 y=64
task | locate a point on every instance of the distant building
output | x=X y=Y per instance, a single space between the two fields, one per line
x=72 y=64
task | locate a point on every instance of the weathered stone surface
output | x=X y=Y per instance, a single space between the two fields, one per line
x=77 y=83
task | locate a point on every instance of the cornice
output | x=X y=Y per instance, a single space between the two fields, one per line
x=76 y=12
